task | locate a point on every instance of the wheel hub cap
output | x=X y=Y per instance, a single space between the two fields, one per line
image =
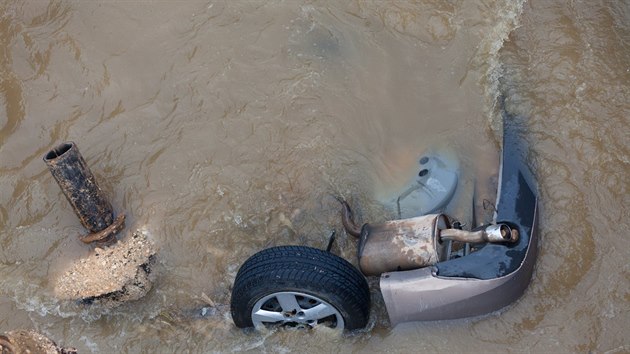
x=295 y=309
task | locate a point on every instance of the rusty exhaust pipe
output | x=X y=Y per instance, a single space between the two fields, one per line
x=347 y=219
x=80 y=188
x=492 y=233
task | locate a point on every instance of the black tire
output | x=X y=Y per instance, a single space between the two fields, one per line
x=314 y=277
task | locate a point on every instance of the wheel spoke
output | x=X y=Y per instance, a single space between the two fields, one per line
x=318 y=312
x=266 y=316
x=288 y=302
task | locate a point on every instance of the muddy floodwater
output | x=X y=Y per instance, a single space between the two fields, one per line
x=224 y=127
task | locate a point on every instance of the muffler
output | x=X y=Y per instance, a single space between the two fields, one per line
x=402 y=244
x=414 y=242
x=398 y=244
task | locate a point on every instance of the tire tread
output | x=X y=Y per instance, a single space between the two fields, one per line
x=302 y=269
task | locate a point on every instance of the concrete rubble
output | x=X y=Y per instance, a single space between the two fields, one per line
x=24 y=341
x=112 y=275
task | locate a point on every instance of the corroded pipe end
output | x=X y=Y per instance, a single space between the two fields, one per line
x=106 y=236
x=500 y=233
x=58 y=151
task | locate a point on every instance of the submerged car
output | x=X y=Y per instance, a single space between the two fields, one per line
x=430 y=268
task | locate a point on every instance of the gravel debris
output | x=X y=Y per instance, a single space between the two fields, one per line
x=112 y=275
x=24 y=341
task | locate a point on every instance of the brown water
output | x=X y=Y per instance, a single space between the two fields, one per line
x=226 y=127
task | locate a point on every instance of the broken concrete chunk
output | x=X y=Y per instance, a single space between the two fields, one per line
x=112 y=275
x=24 y=341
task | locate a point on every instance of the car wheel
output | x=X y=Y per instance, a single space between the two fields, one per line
x=299 y=286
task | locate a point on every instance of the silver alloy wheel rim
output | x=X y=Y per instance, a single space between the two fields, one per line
x=293 y=308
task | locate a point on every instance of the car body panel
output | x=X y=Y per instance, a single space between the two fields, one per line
x=488 y=279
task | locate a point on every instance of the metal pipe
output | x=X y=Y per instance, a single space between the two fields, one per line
x=80 y=188
x=491 y=233
x=347 y=219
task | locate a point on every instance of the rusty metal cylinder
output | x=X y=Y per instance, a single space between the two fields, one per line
x=401 y=244
x=79 y=186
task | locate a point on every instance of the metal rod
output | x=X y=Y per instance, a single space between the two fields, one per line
x=347 y=218
x=331 y=240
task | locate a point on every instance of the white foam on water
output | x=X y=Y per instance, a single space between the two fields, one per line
x=90 y=344
x=489 y=47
